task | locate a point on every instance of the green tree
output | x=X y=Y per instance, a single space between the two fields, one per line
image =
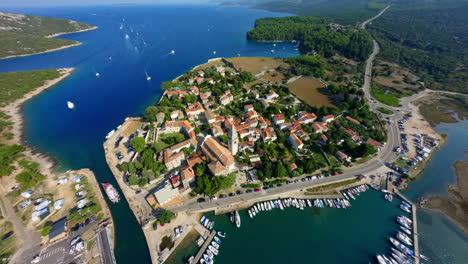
x=46 y=230
x=165 y=216
x=133 y=180
x=281 y=170
x=138 y=144
x=150 y=113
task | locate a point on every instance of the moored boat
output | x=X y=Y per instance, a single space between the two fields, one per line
x=111 y=192
x=237 y=219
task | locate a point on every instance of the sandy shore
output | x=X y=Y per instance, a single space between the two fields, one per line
x=51 y=50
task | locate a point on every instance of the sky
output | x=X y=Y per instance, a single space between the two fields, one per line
x=35 y=3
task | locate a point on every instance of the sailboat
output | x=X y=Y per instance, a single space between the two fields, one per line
x=127 y=36
x=214 y=52
x=148 y=78
x=70 y=105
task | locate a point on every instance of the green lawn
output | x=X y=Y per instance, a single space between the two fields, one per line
x=386 y=98
x=160 y=144
x=7 y=241
x=385 y=110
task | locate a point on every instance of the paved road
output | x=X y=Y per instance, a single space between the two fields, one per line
x=385 y=155
x=105 y=249
x=364 y=24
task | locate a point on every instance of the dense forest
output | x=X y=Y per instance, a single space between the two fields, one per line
x=349 y=12
x=315 y=35
x=430 y=39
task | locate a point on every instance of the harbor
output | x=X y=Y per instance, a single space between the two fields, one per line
x=415 y=226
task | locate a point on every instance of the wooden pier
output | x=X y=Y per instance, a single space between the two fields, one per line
x=415 y=227
x=204 y=247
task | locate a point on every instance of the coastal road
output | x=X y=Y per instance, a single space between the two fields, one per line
x=385 y=155
x=105 y=249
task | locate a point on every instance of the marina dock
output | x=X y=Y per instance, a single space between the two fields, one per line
x=204 y=247
x=415 y=226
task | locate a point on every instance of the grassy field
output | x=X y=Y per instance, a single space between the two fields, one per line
x=385 y=110
x=256 y=65
x=310 y=91
x=28 y=33
x=396 y=79
x=7 y=240
x=384 y=97
x=376 y=5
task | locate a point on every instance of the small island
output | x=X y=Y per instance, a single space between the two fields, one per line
x=24 y=35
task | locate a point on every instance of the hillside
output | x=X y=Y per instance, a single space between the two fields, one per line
x=349 y=12
x=25 y=34
x=430 y=39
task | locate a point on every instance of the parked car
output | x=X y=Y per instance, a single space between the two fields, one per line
x=257 y=190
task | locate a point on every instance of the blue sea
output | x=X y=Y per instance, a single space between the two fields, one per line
x=74 y=138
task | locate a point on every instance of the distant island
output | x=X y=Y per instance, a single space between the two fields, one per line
x=23 y=35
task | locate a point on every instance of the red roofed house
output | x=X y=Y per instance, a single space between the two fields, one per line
x=188 y=176
x=295 y=142
x=194 y=109
x=323 y=139
x=226 y=98
x=328 y=118
x=307 y=118
x=248 y=107
x=343 y=156
x=351 y=134
x=279 y=119
x=205 y=97
x=177 y=126
x=271 y=95
x=201 y=73
x=176 y=93
x=195 y=90
x=175 y=180
x=320 y=127
x=174 y=155
x=269 y=135
x=377 y=145
x=350 y=119
x=177 y=114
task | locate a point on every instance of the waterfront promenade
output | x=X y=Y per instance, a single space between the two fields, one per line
x=263 y=195
x=415 y=226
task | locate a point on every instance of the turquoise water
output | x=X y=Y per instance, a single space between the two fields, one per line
x=74 y=138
